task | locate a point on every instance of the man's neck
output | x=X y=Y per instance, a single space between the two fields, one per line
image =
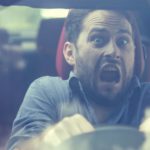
x=102 y=113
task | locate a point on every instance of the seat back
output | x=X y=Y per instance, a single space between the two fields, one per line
x=47 y=41
x=62 y=67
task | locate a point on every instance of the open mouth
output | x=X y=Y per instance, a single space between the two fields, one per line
x=110 y=73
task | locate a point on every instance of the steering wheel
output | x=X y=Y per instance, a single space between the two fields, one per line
x=106 y=138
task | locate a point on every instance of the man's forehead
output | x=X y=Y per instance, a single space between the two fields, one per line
x=107 y=18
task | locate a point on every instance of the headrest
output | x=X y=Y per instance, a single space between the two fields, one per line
x=49 y=30
x=62 y=67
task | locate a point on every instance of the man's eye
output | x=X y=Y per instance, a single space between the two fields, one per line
x=122 y=42
x=99 y=41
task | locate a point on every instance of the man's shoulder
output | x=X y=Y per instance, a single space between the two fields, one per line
x=49 y=79
x=47 y=88
x=49 y=82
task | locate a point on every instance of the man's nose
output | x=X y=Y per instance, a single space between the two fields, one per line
x=112 y=50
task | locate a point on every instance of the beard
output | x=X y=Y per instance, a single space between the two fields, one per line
x=89 y=81
x=104 y=101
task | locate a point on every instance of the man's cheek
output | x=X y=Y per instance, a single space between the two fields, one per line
x=129 y=67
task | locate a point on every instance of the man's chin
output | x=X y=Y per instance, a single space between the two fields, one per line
x=109 y=94
x=109 y=89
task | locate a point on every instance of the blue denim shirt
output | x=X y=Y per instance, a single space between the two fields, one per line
x=50 y=99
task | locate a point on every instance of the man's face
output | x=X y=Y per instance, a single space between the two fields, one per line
x=104 y=55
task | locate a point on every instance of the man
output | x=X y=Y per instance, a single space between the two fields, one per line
x=104 y=49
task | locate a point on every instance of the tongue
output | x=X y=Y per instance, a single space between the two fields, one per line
x=110 y=76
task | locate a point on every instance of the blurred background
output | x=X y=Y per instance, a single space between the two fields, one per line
x=28 y=43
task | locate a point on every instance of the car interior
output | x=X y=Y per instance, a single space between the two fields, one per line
x=35 y=50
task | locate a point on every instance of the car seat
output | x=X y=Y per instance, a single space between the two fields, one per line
x=62 y=67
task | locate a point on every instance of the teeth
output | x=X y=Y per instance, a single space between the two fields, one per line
x=110 y=73
x=110 y=68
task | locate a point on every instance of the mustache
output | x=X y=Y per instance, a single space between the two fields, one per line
x=108 y=60
x=111 y=60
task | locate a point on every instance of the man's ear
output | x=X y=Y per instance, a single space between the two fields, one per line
x=69 y=53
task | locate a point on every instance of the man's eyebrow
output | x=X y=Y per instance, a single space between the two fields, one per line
x=124 y=31
x=105 y=30
x=98 y=30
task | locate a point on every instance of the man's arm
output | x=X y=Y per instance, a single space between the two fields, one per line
x=37 y=122
x=145 y=125
x=53 y=136
x=35 y=114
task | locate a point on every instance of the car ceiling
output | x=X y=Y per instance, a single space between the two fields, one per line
x=142 y=6
x=105 y=4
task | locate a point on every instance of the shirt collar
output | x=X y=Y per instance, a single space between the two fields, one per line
x=74 y=83
x=72 y=74
x=135 y=84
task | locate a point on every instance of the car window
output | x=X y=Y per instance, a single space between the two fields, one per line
x=22 y=23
